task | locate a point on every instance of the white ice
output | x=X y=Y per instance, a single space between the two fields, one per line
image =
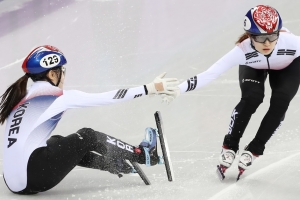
x=119 y=44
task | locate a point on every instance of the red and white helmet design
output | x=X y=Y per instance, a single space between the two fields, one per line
x=266 y=17
x=262 y=19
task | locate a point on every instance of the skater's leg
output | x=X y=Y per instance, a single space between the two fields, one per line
x=115 y=151
x=47 y=166
x=252 y=88
x=94 y=160
x=284 y=84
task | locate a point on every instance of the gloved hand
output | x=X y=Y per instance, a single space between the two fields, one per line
x=168 y=98
x=162 y=85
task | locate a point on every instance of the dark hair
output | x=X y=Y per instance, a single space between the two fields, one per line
x=243 y=37
x=12 y=96
x=17 y=91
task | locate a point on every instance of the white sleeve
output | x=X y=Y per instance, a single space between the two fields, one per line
x=234 y=57
x=76 y=99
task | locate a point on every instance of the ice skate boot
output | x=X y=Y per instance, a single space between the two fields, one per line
x=147 y=151
x=226 y=159
x=246 y=160
x=148 y=148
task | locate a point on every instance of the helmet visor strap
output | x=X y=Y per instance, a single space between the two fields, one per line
x=59 y=76
x=64 y=70
x=263 y=38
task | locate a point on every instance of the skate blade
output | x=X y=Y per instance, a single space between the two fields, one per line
x=164 y=147
x=241 y=171
x=238 y=177
x=140 y=172
x=220 y=173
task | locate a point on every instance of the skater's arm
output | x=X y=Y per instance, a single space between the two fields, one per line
x=160 y=85
x=76 y=99
x=232 y=58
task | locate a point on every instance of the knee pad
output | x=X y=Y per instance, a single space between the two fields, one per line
x=256 y=147
x=88 y=135
x=85 y=132
x=95 y=139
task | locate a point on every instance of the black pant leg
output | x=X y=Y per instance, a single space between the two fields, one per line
x=47 y=166
x=284 y=84
x=252 y=89
x=93 y=161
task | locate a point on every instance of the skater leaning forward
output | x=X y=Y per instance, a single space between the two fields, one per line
x=35 y=162
x=265 y=49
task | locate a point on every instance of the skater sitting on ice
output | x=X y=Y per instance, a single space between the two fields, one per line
x=35 y=162
x=264 y=49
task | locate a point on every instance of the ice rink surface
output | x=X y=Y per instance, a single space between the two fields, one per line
x=120 y=44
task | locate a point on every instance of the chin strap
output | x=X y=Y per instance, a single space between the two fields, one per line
x=49 y=80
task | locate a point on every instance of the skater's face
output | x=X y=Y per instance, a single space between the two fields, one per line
x=264 y=44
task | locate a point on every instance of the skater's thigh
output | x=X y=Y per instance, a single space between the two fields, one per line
x=286 y=81
x=71 y=146
x=252 y=81
x=47 y=166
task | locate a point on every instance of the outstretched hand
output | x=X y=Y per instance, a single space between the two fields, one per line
x=162 y=85
x=168 y=98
